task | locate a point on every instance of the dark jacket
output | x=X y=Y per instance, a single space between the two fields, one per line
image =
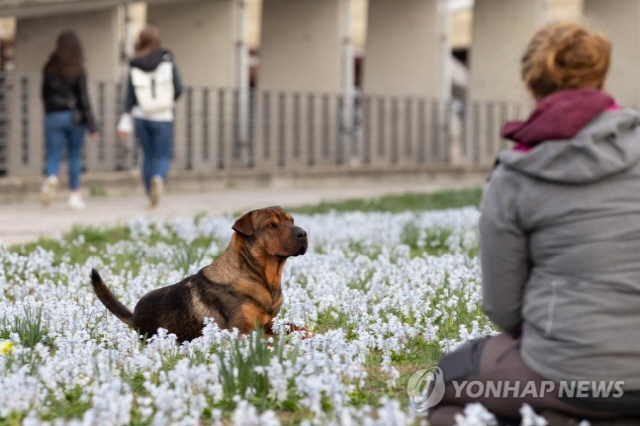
x=63 y=95
x=560 y=244
x=149 y=63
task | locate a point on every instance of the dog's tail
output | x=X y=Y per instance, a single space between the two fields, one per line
x=109 y=300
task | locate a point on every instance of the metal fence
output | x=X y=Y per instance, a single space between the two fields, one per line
x=224 y=129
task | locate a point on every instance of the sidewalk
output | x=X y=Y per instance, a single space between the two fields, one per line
x=26 y=221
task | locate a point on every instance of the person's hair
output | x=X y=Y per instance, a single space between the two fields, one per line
x=148 y=41
x=564 y=56
x=67 y=60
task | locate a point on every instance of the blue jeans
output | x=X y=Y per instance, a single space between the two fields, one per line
x=156 y=139
x=61 y=130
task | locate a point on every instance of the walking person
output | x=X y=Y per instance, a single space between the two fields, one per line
x=559 y=243
x=67 y=115
x=153 y=86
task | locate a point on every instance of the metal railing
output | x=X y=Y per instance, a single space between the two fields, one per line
x=224 y=129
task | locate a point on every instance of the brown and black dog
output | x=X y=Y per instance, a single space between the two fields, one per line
x=240 y=289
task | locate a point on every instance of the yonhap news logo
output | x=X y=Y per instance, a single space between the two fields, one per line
x=537 y=389
x=426 y=389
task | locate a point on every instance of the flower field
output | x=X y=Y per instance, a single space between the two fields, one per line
x=386 y=294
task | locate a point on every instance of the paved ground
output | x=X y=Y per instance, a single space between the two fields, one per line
x=26 y=221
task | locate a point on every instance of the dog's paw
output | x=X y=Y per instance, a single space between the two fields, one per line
x=305 y=333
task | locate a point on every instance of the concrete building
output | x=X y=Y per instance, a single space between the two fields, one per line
x=307 y=52
x=307 y=45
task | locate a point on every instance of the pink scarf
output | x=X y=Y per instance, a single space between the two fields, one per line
x=558 y=116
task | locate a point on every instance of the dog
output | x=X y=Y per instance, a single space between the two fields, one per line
x=240 y=289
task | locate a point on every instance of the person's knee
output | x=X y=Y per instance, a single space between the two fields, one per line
x=464 y=362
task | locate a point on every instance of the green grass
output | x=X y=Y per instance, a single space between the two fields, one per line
x=97 y=190
x=419 y=354
x=247 y=375
x=74 y=403
x=29 y=328
x=95 y=240
x=399 y=203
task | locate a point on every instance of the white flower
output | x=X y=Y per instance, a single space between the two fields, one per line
x=360 y=287
x=475 y=415
x=530 y=418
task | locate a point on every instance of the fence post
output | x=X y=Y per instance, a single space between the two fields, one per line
x=205 y=124
x=311 y=129
x=456 y=152
x=100 y=121
x=24 y=120
x=189 y=129
x=221 y=128
x=5 y=127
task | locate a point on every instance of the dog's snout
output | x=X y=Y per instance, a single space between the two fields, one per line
x=299 y=233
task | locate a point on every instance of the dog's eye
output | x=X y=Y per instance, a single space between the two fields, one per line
x=271 y=225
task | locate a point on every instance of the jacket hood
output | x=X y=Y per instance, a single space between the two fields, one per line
x=151 y=61
x=608 y=144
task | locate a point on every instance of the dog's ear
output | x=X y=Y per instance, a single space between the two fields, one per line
x=244 y=225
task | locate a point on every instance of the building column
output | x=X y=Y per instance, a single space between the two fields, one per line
x=202 y=34
x=407 y=50
x=305 y=77
x=501 y=32
x=620 y=24
x=300 y=49
x=407 y=82
x=100 y=33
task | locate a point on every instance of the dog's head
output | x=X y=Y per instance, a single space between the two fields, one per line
x=272 y=231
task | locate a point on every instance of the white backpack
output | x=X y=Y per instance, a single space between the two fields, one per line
x=154 y=89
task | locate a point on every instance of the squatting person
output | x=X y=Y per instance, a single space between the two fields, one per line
x=560 y=243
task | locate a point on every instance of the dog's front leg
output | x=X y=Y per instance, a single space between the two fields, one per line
x=291 y=328
x=249 y=317
x=268 y=329
x=288 y=327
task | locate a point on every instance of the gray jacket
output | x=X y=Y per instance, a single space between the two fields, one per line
x=560 y=251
